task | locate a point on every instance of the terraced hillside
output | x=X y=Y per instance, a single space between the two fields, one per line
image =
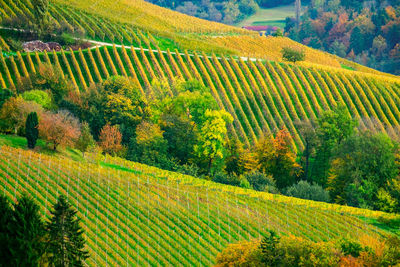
x=262 y=96
x=139 y=215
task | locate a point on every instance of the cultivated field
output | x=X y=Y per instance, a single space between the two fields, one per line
x=138 y=215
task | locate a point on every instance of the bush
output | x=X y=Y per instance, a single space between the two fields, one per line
x=224 y=178
x=305 y=190
x=40 y=97
x=261 y=182
x=293 y=55
x=293 y=251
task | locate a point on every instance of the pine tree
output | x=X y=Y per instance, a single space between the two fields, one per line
x=66 y=243
x=32 y=130
x=5 y=215
x=27 y=234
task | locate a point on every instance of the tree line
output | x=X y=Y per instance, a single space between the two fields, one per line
x=274 y=250
x=228 y=11
x=179 y=127
x=26 y=239
x=363 y=31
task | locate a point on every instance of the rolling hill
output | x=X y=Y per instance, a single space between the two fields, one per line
x=134 y=214
x=139 y=215
x=262 y=96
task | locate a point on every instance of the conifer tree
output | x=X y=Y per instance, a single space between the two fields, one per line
x=26 y=234
x=66 y=243
x=5 y=215
x=32 y=130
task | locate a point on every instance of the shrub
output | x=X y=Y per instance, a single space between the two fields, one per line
x=261 y=182
x=293 y=55
x=305 y=190
x=225 y=178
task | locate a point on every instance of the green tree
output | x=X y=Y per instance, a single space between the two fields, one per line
x=361 y=165
x=27 y=233
x=124 y=105
x=5 y=217
x=85 y=140
x=333 y=127
x=66 y=241
x=150 y=147
x=293 y=55
x=307 y=131
x=5 y=94
x=181 y=134
x=271 y=254
x=40 y=97
x=32 y=129
x=41 y=12
x=213 y=135
x=233 y=162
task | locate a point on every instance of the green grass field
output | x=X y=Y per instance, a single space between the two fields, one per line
x=269 y=16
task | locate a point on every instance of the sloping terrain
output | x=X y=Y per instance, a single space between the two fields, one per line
x=262 y=96
x=139 y=215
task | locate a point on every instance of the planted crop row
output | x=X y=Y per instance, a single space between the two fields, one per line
x=261 y=96
x=146 y=216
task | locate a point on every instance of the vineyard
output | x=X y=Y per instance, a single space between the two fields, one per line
x=262 y=96
x=134 y=24
x=134 y=214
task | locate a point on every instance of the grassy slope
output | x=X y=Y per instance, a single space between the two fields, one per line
x=269 y=16
x=137 y=215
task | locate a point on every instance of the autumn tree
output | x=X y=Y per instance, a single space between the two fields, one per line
x=48 y=78
x=275 y=157
x=59 y=129
x=14 y=112
x=110 y=139
x=213 y=135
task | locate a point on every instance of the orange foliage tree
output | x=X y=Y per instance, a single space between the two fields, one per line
x=275 y=157
x=59 y=129
x=110 y=139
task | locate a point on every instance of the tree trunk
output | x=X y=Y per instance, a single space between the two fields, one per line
x=210 y=164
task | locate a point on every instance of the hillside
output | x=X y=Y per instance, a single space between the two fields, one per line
x=262 y=96
x=140 y=23
x=137 y=215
